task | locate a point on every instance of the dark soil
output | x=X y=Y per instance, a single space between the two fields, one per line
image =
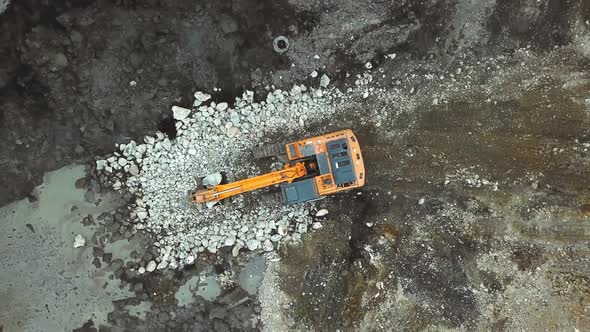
x=66 y=68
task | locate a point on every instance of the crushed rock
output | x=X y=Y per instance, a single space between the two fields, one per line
x=211 y=139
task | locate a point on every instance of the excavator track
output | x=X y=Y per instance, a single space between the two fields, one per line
x=270 y=150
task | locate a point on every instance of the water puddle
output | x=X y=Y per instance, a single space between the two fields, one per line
x=204 y=285
x=251 y=275
x=45 y=282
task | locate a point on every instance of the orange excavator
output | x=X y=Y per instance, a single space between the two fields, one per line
x=314 y=167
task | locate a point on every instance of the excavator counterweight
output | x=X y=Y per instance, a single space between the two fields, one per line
x=315 y=167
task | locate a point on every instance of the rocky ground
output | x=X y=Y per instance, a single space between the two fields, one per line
x=473 y=117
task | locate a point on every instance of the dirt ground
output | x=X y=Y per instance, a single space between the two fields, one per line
x=476 y=212
x=475 y=217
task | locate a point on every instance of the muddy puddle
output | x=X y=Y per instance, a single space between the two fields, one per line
x=44 y=280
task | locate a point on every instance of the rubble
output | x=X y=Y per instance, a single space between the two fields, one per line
x=321 y=213
x=324 y=81
x=151 y=266
x=213 y=137
x=221 y=107
x=79 y=241
x=212 y=179
x=133 y=169
x=200 y=97
x=180 y=113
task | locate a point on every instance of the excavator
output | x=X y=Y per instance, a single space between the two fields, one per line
x=313 y=168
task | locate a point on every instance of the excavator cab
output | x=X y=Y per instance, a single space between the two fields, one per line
x=315 y=167
x=338 y=166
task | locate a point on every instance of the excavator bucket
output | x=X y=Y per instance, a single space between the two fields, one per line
x=205 y=193
x=201 y=196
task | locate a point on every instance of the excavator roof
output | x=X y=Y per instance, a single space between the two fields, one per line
x=341 y=162
x=338 y=161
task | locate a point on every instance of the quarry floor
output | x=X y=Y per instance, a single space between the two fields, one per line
x=476 y=211
x=475 y=218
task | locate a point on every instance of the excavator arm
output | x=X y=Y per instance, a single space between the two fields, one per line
x=223 y=191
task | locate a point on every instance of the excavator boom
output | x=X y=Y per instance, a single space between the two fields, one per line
x=223 y=191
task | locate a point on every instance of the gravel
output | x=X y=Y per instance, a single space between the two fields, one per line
x=212 y=138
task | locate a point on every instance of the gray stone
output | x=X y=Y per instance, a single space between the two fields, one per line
x=76 y=37
x=252 y=244
x=236 y=250
x=133 y=169
x=151 y=266
x=228 y=24
x=201 y=96
x=212 y=179
x=221 y=107
x=163 y=317
x=324 y=81
x=321 y=213
x=233 y=132
x=180 y=113
x=101 y=165
x=267 y=245
x=162 y=265
x=142 y=215
x=59 y=61
x=79 y=241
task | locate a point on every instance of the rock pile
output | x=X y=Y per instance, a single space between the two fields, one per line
x=212 y=137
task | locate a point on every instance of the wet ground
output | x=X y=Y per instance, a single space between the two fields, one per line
x=45 y=280
x=50 y=284
x=475 y=215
